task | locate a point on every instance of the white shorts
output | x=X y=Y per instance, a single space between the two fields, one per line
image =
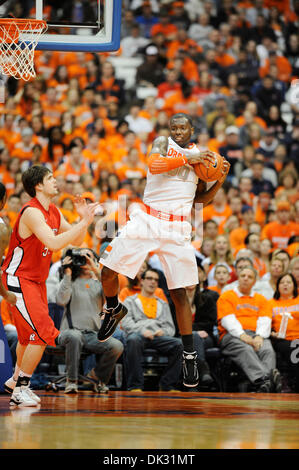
x=143 y=234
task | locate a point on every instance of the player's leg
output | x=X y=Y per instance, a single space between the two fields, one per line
x=114 y=310
x=22 y=395
x=180 y=269
x=124 y=255
x=184 y=321
x=35 y=330
x=11 y=382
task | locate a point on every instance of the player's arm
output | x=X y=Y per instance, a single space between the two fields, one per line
x=80 y=205
x=34 y=222
x=205 y=197
x=5 y=233
x=158 y=163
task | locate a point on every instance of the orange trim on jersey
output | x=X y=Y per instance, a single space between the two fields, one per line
x=162 y=215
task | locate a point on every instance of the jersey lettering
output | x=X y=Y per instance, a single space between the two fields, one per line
x=181 y=173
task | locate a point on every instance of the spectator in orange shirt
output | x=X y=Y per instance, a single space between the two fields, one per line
x=8 y=133
x=245 y=187
x=285 y=324
x=52 y=109
x=252 y=242
x=23 y=148
x=181 y=41
x=60 y=82
x=180 y=100
x=134 y=286
x=74 y=164
x=131 y=167
x=263 y=205
x=244 y=323
x=237 y=236
x=280 y=231
x=219 y=210
x=12 y=208
x=171 y=85
x=164 y=26
x=222 y=58
x=283 y=65
x=56 y=148
x=9 y=177
x=186 y=66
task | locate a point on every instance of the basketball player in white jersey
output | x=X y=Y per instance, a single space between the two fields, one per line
x=5 y=232
x=161 y=226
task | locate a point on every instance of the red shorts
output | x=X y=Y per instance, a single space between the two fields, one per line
x=31 y=314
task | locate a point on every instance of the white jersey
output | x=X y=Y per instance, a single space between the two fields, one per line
x=172 y=192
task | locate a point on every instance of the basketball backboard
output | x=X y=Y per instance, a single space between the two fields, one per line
x=86 y=25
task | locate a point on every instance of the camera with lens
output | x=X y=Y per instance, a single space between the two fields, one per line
x=77 y=258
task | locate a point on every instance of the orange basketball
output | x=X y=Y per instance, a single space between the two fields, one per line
x=211 y=173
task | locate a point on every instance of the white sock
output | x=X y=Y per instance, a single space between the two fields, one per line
x=23 y=383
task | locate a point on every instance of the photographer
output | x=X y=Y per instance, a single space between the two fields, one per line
x=80 y=292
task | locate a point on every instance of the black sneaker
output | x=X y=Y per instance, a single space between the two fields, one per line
x=190 y=371
x=276 y=380
x=263 y=386
x=110 y=322
x=205 y=377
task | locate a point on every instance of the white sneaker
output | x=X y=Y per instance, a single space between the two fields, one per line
x=102 y=387
x=32 y=395
x=20 y=397
x=71 y=387
x=9 y=385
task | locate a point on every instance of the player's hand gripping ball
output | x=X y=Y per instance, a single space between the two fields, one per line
x=211 y=173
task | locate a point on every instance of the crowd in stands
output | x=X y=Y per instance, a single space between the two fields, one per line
x=233 y=66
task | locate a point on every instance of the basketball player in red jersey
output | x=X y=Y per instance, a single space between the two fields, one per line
x=40 y=229
x=161 y=226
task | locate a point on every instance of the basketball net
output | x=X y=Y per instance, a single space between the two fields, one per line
x=18 y=39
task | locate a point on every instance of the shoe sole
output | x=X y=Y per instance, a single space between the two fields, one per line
x=37 y=399
x=191 y=386
x=13 y=403
x=118 y=317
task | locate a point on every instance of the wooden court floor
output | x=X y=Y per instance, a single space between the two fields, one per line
x=152 y=420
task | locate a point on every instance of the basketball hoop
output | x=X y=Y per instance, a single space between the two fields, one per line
x=18 y=39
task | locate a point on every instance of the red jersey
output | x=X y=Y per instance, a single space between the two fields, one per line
x=29 y=258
